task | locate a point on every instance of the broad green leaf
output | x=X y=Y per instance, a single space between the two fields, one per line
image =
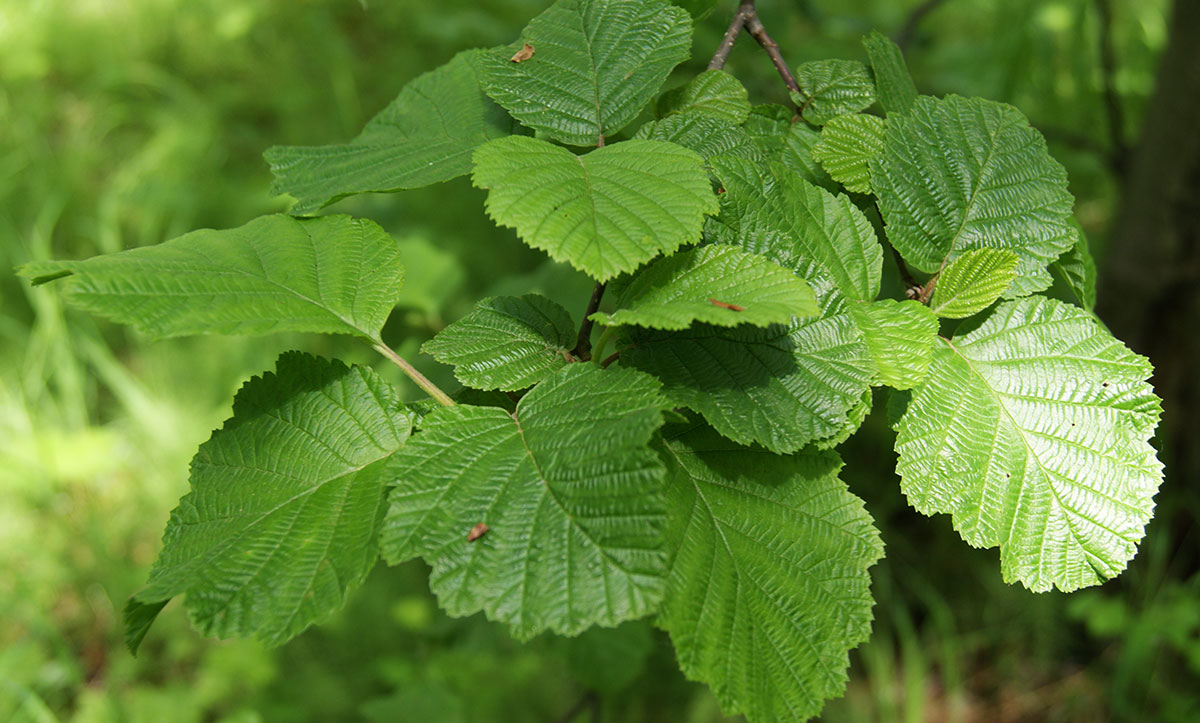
x=895 y=86
x=606 y=212
x=985 y=179
x=854 y=419
x=900 y=336
x=769 y=587
x=1033 y=432
x=335 y=275
x=705 y=134
x=426 y=135
x=824 y=238
x=569 y=489
x=1078 y=270
x=972 y=282
x=781 y=387
x=848 y=143
x=713 y=92
x=716 y=284
x=770 y=127
x=595 y=65
x=830 y=88
x=507 y=342
x=285 y=504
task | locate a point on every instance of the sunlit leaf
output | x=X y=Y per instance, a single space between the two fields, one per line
x=848 y=143
x=971 y=282
x=830 y=88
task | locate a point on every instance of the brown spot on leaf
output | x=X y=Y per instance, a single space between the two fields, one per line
x=723 y=305
x=523 y=54
x=477 y=532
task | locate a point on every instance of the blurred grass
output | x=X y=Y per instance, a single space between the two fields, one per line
x=124 y=124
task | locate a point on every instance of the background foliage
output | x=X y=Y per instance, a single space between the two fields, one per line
x=123 y=124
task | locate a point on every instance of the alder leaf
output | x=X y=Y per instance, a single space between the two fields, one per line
x=848 y=143
x=962 y=173
x=606 y=212
x=895 y=86
x=716 y=284
x=972 y=282
x=824 y=238
x=770 y=127
x=1078 y=270
x=569 y=489
x=334 y=275
x=714 y=93
x=705 y=134
x=781 y=387
x=426 y=135
x=1033 y=432
x=900 y=336
x=285 y=504
x=506 y=343
x=830 y=88
x=597 y=63
x=768 y=589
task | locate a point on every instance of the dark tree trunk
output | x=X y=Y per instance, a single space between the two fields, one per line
x=1150 y=283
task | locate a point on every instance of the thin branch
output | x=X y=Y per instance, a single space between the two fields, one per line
x=610 y=359
x=1112 y=100
x=909 y=30
x=731 y=35
x=418 y=378
x=755 y=27
x=583 y=343
x=589 y=701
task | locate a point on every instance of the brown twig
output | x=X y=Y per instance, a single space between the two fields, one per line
x=746 y=17
x=610 y=359
x=583 y=343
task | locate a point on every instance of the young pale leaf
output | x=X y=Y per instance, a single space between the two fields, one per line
x=1033 y=432
x=781 y=387
x=424 y=136
x=569 y=490
x=972 y=282
x=705 y=134
x=985 y=180
x=285 y=505
x=824 y=238
x=713 y=92
x=1078 y=270
x=606 y=212
x=596 y=64
x=334 y=274
x=768 y=589
x=896 y=90
x=830 y=88
x=506 y=343
x=900 y=336
x=848 y=143
x=716 y=284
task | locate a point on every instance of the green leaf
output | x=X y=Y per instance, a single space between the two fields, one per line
x=972 y=282
x=781 y=387
x=900 y=336
x=713 y=92
x=426 y=135
x=1033 y=432
x=848 y=143
x=830 y=88
x=896 y=90
x=1078 y=270
x=768 y=589
x=770 y=127
x=595 y=65
x=716 y=284
x=506 y=343
x=824 y=238
x=606 y=212
x=707 y=135
x=570 y=492
x=285 y=504
x=854 y=419
x=335 y=275
x=985 y=180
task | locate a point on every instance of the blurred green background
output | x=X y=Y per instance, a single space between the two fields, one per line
x=127 y=122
